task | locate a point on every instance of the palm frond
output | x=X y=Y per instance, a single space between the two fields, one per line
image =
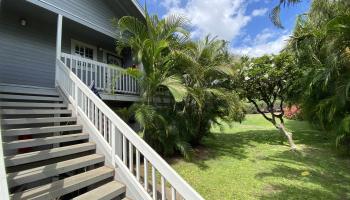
x=276 y=11
x=176 y=87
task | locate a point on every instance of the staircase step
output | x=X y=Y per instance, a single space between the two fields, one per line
x=29 y=97
x=32 y=105
x=38 y=120
x=46 y=129
x=34 y=111
x=59 y=188
x=28 y=90
x=44 y=141
x=109 y=190
x=35 y=156
x=39 y=173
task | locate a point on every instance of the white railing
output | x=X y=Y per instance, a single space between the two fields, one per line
x=106 y=77
x=4 y=192
x=127 y=150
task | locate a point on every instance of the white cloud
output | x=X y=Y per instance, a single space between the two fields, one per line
x=227 y=19
x=168 y=4
x=262 y=44
x=259 y=12
x=264 y=36
x=222 y=18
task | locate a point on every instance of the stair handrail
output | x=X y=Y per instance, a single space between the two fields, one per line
x=4 y=192
x=82 y=98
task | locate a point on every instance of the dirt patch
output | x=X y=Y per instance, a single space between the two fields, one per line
x=270 y=189
x=199 y=153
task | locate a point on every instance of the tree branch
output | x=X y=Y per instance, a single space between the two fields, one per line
x=258 y=109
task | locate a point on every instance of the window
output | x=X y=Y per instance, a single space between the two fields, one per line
x=114 y=60
x=83 y=50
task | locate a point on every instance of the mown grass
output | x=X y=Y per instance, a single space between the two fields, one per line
x=248 y=161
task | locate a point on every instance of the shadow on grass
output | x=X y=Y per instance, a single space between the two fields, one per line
x=232 y=145
x=328 y=175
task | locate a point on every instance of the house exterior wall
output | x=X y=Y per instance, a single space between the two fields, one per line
x=95 y=14
x=27 y=53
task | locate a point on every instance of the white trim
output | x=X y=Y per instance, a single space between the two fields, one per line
x=73 y=42
x=4 y=192
x=59 y=36
x=139 y=7
x=58 y=41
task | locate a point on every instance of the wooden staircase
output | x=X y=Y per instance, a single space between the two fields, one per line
x=47 y=155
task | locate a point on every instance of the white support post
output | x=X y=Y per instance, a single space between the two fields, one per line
x=4 y=192
x=113 y=143
x=58 y=42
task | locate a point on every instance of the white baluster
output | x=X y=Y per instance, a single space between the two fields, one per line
x=120 y=80
x=105 y=127
x=124 y=150
x=109 y=131
x=88 y=108
x=96 y=117
x=113 y=145
x=154 y=183
x=131 y=159
x=145 y=173
x=163 y=188
x=95 y=70
x=100 y=122
x=76 y=98
x=173 y=193
x=137 y=165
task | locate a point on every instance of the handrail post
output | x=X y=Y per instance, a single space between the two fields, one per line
x=113 y=144
x=76 y=98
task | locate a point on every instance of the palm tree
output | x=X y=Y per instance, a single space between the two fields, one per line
x=151 y=42
x=207 y=67
x=275 y=13
x=321 y=46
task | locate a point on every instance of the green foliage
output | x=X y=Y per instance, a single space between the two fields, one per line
x=123 y=113
x=275 y=13
x=267 y=79
x=321 y=43
x=189 y=76
x=206 y=67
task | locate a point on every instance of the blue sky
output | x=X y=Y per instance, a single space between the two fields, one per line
x=245 y=23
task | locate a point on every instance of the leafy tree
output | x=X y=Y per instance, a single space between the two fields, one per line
x=320 y=42
x=268 y=79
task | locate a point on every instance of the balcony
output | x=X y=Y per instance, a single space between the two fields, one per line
x=112 y=82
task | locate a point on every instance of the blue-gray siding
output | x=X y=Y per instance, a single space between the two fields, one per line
x=96 y=14
x=27 y=54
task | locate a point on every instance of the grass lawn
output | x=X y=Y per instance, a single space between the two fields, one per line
x=247 y=161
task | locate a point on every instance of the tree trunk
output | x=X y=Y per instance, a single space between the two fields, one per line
x=288 y=135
